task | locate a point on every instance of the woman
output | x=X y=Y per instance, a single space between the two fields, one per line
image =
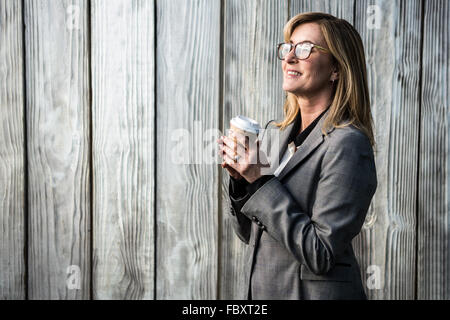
x=300 y=220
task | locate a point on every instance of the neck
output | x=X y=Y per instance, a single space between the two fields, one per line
x=312 y=107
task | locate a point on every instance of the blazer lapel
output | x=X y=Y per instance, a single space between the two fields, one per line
x=284 y=139
x=314 y=139
x=275 y=145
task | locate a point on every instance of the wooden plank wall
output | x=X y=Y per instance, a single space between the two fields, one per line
x=388 y=240
x=12 y=153
x=187 y=87
x=110 y=110
x=123 y=148
x=57 y=108
x=433 y=212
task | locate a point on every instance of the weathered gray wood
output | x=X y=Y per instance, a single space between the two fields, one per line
x=57 y=106
x=123 y=150
x=198 y=254
x=12 y=149
x=252 y=87
x=433 y=216
x=393 y=57
x=187 y=99
x=340 y=8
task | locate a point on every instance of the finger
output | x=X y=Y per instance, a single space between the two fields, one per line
x=226 y=166
x=233 y=145
x=224 y=148
x=232 y=153
x=243 y=154
x=220 y=152
x=220 y=143
x=230 y=170
x=241 y=139
x=228 y=141
x=230 y=162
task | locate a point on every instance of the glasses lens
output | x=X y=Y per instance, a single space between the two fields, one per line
x=303 y=50
x=284 y=50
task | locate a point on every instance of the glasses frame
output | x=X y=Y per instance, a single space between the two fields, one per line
x=294 y=47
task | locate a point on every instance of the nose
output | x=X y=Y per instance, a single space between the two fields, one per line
x=290 y=57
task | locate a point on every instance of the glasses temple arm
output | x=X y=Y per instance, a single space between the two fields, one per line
x=321 y=48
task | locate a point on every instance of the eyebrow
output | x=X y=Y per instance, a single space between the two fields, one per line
x=302 y=41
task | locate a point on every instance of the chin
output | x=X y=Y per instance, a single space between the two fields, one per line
x=288 y=88
x=292 y=90
x=292 y=87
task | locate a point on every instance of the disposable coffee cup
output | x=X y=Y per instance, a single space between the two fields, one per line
x=245 y=126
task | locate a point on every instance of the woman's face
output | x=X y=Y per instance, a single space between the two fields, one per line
x=315 y=72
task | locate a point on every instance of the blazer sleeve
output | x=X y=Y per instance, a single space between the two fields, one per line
x=239 y=192
x=238 y=196
x=344 y=191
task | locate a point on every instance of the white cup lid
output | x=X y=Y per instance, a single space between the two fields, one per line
x=246 y=124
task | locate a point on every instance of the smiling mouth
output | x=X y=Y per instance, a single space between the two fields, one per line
x=293 y=74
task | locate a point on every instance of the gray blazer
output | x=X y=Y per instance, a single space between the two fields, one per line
x=299 y=225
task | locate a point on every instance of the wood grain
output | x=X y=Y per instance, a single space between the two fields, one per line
x=340 y=8
x=123 y=148
x=12 y=150
x=393 y=60
x=433 y=244
x=253 y=88
x=57 y=106
x=89 y=71
x=187 y=183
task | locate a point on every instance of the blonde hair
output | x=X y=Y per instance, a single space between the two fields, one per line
x=350 y=101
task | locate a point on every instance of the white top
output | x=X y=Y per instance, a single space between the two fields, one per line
x=290 y=150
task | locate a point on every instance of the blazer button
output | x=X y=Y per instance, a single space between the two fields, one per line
x=264 y=228
x=254 y=218
x=260 y=223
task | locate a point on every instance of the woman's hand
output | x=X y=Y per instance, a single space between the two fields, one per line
x=247 y=165
x=231 y=171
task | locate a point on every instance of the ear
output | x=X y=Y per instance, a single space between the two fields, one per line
x=334 y=74
x=334 y=70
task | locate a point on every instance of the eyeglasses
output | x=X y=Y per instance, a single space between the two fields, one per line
x=302 y=50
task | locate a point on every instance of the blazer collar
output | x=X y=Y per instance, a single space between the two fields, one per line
x=314 y=139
